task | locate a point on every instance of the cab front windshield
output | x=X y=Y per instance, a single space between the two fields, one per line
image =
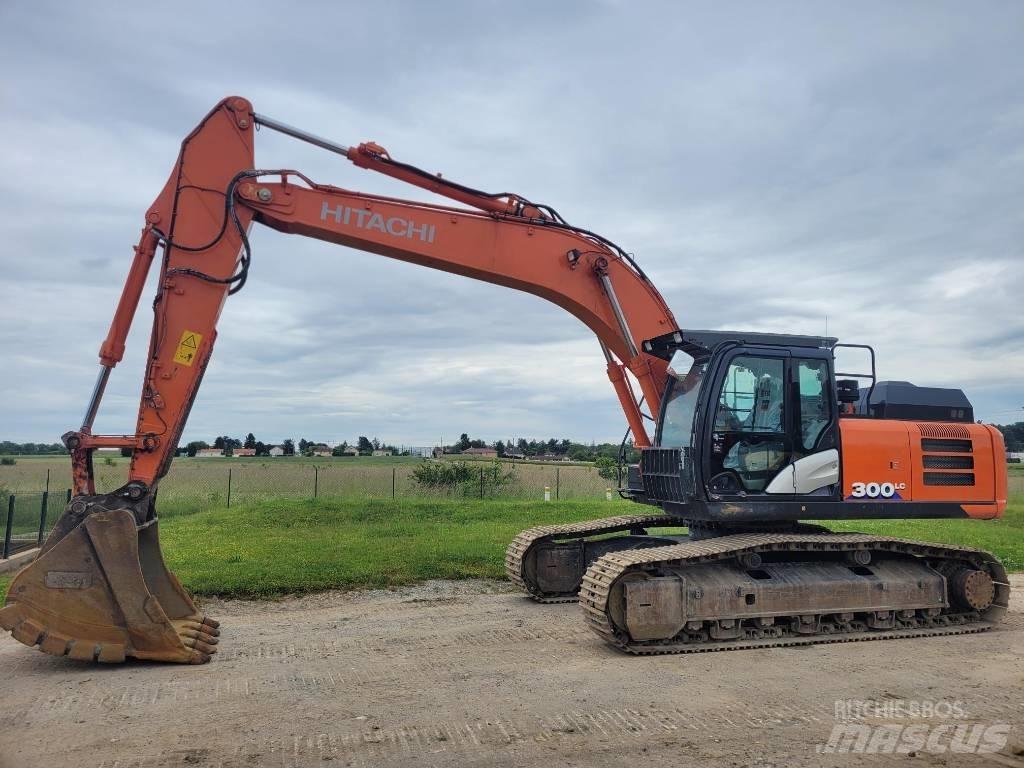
x=685 y=377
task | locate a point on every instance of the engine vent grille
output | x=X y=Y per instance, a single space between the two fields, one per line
x=946 y=446
x=949 y=478
x=948 y=462
x=957 y=431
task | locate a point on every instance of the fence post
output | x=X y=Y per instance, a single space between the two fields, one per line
x=67 y=499
x=10 y=522
x=481 y=482
x=394 y=472
x=42 y=517
x=47 y=481
x=558 y=482
x=316 y=480
x=229 y=487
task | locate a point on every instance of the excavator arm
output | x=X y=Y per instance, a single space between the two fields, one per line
x=99 y=589
x=213 y=196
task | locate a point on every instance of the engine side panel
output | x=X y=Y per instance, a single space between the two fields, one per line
x=925 y=462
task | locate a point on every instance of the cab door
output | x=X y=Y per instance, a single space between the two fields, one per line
x=748 y=423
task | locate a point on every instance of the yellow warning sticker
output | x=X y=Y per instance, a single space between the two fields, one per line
x=188 y=348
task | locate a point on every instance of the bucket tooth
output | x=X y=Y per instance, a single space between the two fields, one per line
x=101 y=592
x=111 y=653
x=55 y=644
x=28 y=632
x=83 y=650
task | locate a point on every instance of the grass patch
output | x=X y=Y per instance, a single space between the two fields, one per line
x=5 y=582
x=271 y=548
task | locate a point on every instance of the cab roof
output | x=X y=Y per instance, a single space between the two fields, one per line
x=700 y=343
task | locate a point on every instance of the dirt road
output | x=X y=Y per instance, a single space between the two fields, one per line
x=469 y=673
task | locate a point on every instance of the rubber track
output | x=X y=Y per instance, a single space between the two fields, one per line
x=515 y=555
x=604 y=572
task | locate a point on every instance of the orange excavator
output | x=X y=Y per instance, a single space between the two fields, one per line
x=754 y=433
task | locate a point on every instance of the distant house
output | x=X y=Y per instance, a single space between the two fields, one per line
x=243 y=452
x=382 y=452
x=552 y=457
x=350 y=451
x=209 y=453
x=512 y=453
x=320 y=450
x=276 y=450
x=488 y=452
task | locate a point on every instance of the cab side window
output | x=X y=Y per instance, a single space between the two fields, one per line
x=815 y=403
x=752 y=396
x=750 y=443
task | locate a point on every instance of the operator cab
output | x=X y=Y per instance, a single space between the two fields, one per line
x=749 y=425
x=746 y=417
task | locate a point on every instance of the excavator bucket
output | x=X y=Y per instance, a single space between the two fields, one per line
x=99 y=591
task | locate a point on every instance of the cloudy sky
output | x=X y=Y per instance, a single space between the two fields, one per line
x=769 y=165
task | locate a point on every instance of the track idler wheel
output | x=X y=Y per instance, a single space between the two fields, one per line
x=971 y=589
x=100 y=591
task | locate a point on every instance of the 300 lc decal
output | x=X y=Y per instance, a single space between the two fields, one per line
x=876 y=490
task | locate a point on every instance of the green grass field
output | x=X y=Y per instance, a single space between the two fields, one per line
x=273 y=548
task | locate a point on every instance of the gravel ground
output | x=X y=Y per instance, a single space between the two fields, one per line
x=470 y=673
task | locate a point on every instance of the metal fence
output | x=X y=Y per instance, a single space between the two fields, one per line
x=225 y=482
x=28 y=518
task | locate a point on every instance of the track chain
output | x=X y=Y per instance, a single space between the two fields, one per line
x=600 y=578
x=515 y=555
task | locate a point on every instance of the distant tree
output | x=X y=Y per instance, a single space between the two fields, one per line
x=127 y=452
x=304 y=445
x=499 y=446
x=195 y=446
x=262 y=449
x=364 y=445
x=1013 y=436
x=376 y=443
x=250 y=440
x=288 y=446
x=606 y=467
x=463 y=443
x=219 y=442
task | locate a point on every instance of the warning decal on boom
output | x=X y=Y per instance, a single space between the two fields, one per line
x=188 y=347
